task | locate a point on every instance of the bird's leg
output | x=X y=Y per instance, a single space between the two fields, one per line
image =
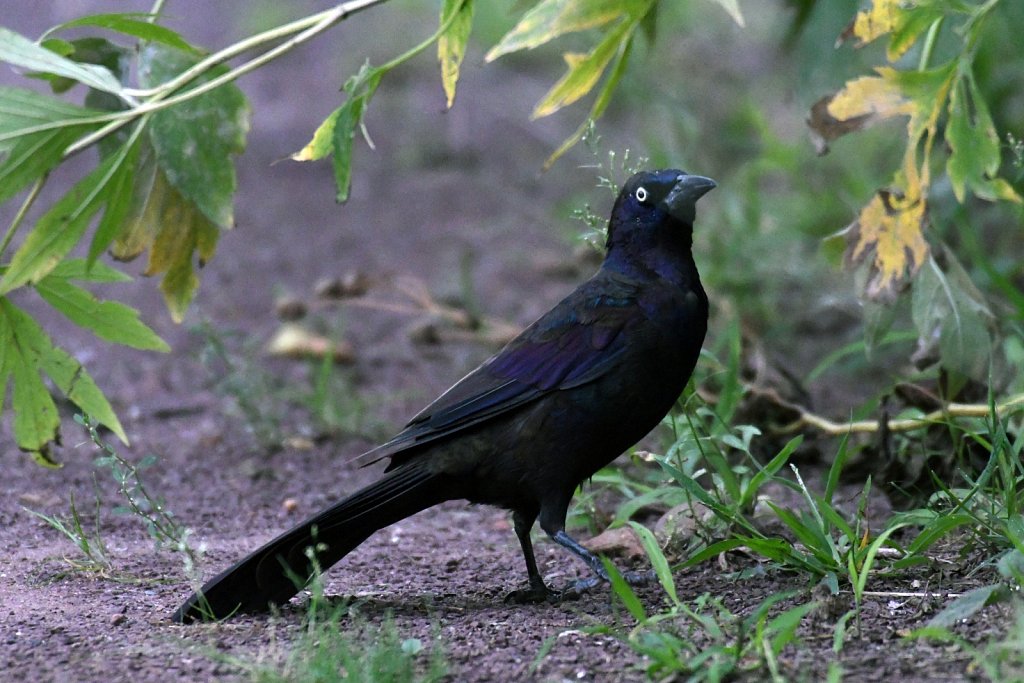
x=538 y=591
x=594 y=562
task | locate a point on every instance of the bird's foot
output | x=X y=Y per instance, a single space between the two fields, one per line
x=533 y=595
x=577 y=588
x=539 y=593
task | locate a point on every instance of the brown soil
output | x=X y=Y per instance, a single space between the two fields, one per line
x=442 y=190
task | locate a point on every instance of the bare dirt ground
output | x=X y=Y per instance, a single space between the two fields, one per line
x=443 y=190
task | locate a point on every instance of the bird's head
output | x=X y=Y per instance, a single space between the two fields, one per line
x=653 y=205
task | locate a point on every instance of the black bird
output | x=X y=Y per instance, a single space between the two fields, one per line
x=563 y=399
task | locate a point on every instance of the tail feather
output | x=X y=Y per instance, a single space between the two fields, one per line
x=279 y=569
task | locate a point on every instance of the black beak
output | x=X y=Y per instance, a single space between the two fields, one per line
x=681 y=200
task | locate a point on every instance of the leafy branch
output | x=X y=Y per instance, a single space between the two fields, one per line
x=166 y=186
x=940 y=101
x=889 y=231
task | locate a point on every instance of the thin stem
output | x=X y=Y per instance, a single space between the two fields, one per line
x=158 y=96
x=158 y=7
x=971 y=27
x=806 y=419
x=22 y=210
x=312 y=26
x=315 y=22
x=412 y=52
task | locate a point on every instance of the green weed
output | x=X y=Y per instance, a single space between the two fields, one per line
x=138 y=503
x=702 y=639
x=1000 y=658
x=331 y=400
x=329 y=649
x=94 y=556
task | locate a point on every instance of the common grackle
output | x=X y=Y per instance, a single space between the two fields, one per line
x=579 y=386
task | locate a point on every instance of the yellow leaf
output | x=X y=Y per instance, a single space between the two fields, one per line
x=883 y=17
x=1004 y=190
x=584 y=71
x=144 y=216
x=573 y=59
x=917 y=94
x=451 y=46
x=552 y=18
x=889 y=232
x=174 y=230
x=872 y=96
x=320 y=145
x=902 y=21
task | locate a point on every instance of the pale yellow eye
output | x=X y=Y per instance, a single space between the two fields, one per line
x=641 y=194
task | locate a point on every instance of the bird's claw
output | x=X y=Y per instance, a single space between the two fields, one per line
x=576 y=589
x=639 y=578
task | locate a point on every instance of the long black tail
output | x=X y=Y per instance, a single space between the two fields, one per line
x=279 y=570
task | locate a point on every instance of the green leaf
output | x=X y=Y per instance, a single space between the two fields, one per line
x=109 y=320
x=79 y=269
x=950 y=315
x=658 y=560
x=74 y=382
x=938 y=528
x=843 y=454
x=59 y=229
x=1011 y=565
x=783 y=627
x=19 y=51
x=974 y=145
x=451 y=45
x=25 y=350
x=64 y=48
x=120 y=196
x=584 y=71
x=131 y=24
x=765 y=473
x=195 y=140
x=811 y=536
x=910 y=23
x=22 y=111
x=33 y=155
x=625 y=592
x=35 y=414
x=552 y=18
x=335 y=134
x=868 y=559
x=351 y=116
x=91 y=50
x=968 y=604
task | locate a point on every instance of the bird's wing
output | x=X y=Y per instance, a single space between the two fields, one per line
x=574 y=343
